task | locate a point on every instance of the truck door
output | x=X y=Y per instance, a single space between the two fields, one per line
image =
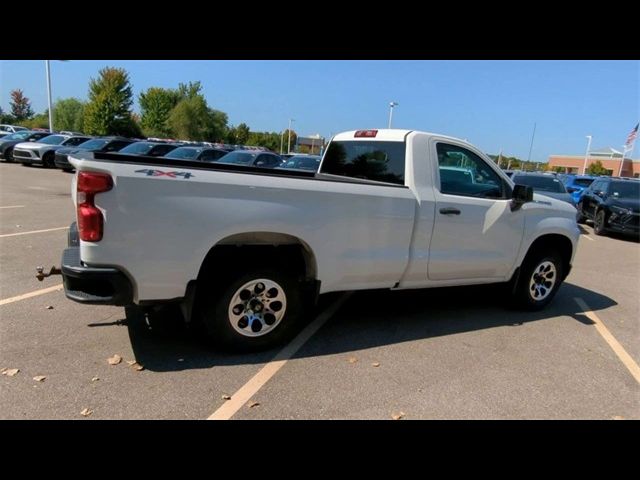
x=475 y=234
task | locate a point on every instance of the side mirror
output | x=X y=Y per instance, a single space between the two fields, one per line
x=521 y=195
x=571 y=189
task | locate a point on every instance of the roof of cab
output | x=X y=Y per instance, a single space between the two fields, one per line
x=388 y=135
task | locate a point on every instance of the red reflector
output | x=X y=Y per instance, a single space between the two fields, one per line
x=90 y=220
x=366 y=133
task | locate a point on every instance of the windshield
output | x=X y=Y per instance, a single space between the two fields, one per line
x=540 y=183
x=95 y=144
x=627 y=189
x=583 y=182
x=371 y=160
x=138 y=148
x=53 y=140
x=17 y=136
x=239 y=158
x=184 y=153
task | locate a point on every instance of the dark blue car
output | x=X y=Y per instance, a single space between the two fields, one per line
x=576 y=185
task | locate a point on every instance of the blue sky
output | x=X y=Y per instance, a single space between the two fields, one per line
x=493 y=104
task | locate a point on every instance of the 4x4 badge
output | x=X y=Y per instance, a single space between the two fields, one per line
x=160 y=173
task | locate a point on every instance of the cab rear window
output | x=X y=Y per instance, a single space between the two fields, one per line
x=377 y=161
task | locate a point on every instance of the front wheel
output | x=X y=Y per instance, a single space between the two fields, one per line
x=49 y=160
x=255 y=311
x=8 y=155
x=599 y=222
x=540 y=277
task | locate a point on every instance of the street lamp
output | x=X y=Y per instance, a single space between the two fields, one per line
x=49 y=95
x=586 y=156
x=391 y=105
x=289 y=141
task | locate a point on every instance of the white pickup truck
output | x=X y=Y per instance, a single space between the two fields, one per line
x=245 y=251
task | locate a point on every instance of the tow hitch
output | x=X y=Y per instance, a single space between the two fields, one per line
x=41 y=275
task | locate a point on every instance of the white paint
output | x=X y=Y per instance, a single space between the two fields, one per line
x=13 y=206
x=35 y=293
x=33 y=231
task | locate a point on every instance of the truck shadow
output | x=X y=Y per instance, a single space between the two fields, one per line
x=368 y=319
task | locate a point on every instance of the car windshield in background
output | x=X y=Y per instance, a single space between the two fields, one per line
x=304 y=162
x=378 y=161
x=17 y=136
x=53 y=140
x=626 y=189
x=138 y=148
x=184 y=153
x=541 y=183
x=583 y=182
x=239 y=158
x=94 y=144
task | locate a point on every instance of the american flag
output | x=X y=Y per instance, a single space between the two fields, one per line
x=632 y=136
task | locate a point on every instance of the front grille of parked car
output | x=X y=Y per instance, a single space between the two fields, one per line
x=22 y=154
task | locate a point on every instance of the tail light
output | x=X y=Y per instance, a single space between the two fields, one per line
x=90 y=220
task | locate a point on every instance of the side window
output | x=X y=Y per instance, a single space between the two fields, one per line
x=464 y=173
x=116 y=146
x=75 y=141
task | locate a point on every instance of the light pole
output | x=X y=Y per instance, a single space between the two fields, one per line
x=281 y=142
x=289 y=141
x=586 y=156
x=49 y=96
x=391 y=105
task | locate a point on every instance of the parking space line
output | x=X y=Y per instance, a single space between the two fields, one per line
x=33 y=231
x=13 y=206
x=585 y=235
x=618 y=349
x=35 y=293
x=249 y=389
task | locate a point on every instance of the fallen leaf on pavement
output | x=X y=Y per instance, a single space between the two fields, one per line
x=130 y=362
x=2 y=370
x=39 y=378
x=86 y=412
x=226 y=397
x=254 y=404
x=375 y=364
x=49 y=307
x=617 y=417
x=115 y=360
x=136 y=366
x=398 y=416
x=95 y=379
x=11 y=372
x=353 y=359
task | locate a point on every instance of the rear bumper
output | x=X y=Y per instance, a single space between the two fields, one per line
x=92 y=285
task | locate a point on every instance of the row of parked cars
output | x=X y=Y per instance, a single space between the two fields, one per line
x=52 y=150
x=611 y=203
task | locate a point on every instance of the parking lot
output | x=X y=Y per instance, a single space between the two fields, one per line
x=428 y=354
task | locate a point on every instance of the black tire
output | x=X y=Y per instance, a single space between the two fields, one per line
x=68 y=170
x=49 y=160
x=580 y=218
x=215 y=318
x=523 y=294
x=599 y=222
x=8 y=155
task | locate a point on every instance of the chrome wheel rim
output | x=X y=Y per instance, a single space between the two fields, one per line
x=599 y=222
x=257 y=307
x=542 y=280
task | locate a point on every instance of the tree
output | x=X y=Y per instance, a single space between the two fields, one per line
x=156 y=105
x=596 y=168
x=189 y=120
x=110 y=99
x=68 y=114
x=239 y=134
x=40 y=120
x=20 y=106
x=189 y=90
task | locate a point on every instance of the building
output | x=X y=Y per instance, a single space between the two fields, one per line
x=312 y=144
x=610 y=158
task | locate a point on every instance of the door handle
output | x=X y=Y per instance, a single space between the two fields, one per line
x=450 y=211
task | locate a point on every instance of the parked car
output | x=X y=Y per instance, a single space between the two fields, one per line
x=252 y=158
x=302 y=162
x=546 y=184
x=201 y=154
x=613 y=204
x=9 y=129
x=150 y=149
x=8 y=142
x=100 y=144
x=576 y=184
x=43 y=151
x=246 y=254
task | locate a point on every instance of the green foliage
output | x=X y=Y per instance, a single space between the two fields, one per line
x=6 y=117
x=189 y=90
x=156 y=105
x=40 y=120
x=238 y=135
x=20 y=106
x=110 y=98
x=596 y=168
x=68 y=114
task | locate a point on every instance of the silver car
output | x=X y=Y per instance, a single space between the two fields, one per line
x=43 y=152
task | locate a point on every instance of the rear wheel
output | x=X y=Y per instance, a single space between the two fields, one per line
x=540 y=277
x=599 y=223
x=254 y=311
